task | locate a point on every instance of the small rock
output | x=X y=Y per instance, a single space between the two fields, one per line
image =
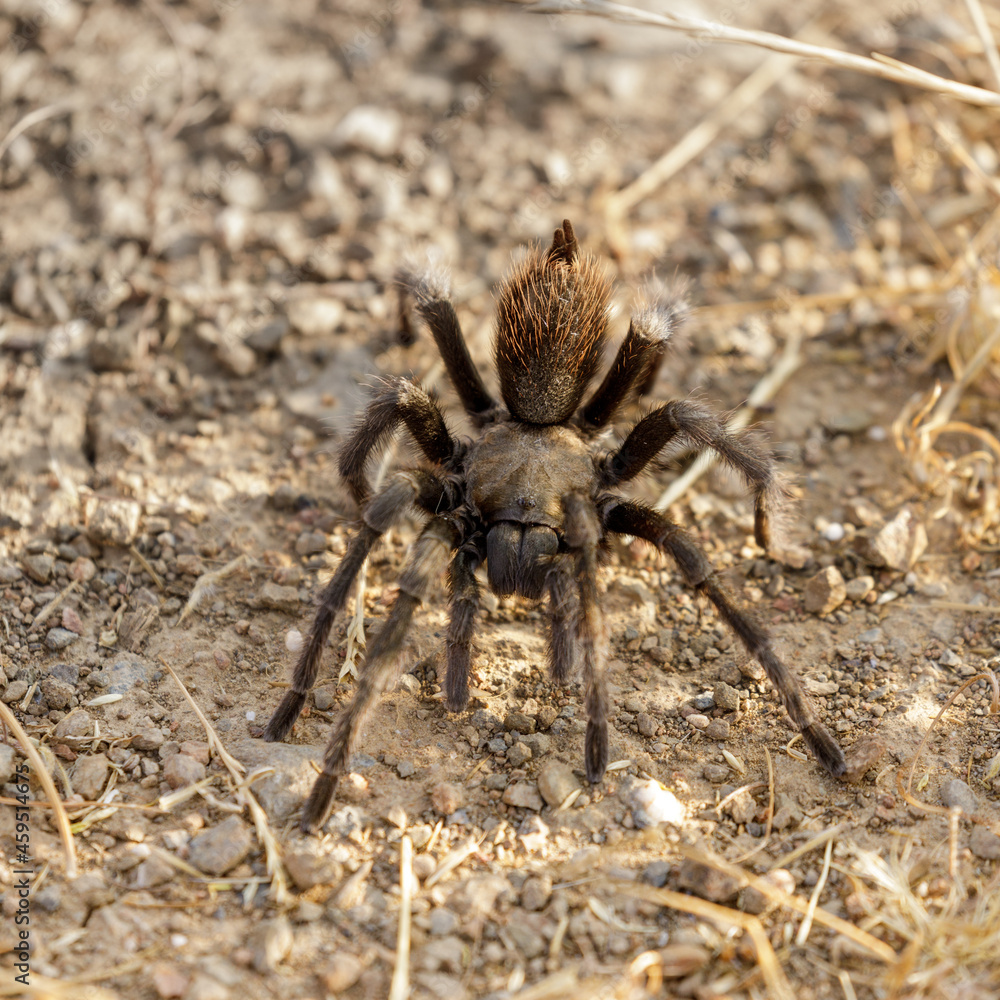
x=370 y=128
x=39 y=567
x=78 y=723
x=323 y=699
x=957 y=793
x=72 y=621
x=536 y=892
x=181 y=770
x=198 y=749
x=949 y=659
x=310 y=543
x=755 y=901
x=984 y=844
x=89 y=774
x=405 y=769
x=727 y=697
x=859 y=588
x=715 y=773
x=697 y=721
x=518 y=754
x=647 y=724
x=899 y=544
x=9 y=572
x=443 y=921
x=742 y=808
x=652 y=804
x=518 y=722
x=221 y=848
x=717 y=729
x=446 y=798
x=57 y=693
x=112 y=522
x=523 y=795
x=272 y=595
x=308 y=868
x=6 y=763
x=315 y=317
x=656 y=874
x=270 y=943
x=545 y=717
x=556 y=781
x=825 y=592
x=168 y=980
x=341 y=972
x=707 y=882
x=60 y=638
x=154 y=871
x=82 y=570
x=15 y=691
x=147 y=738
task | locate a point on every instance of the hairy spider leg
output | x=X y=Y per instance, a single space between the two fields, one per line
x=462 y=621
x=681 y=417
x=396 y=401
x=429 y=290
x=628 y=518
x=428 y=560
x=418 y=488
x=582 y=533
x=639 y=353
x=564 y=612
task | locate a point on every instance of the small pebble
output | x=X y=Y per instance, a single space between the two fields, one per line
x=957 y=793
x=833 y=532
x=726 y=697
x=825 y=592
x=405 y=769
x=446 y=798
x=518 y=754
x=984 y=843
x=556 y=781
x=270 y=942
x=652 y=804
x=221 y=848
x=341 y=972
x=698 y=721
x=523 y=795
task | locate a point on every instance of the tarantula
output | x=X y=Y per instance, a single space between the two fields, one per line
x=531 y=496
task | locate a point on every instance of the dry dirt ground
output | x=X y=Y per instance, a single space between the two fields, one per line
x=203 y=206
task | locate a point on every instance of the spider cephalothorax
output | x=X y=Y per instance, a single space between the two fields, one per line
x=532 y=496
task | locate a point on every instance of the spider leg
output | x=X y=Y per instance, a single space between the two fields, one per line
x=564 y=612
x=682 y=418
x=638 y=357
x=627 y=518
x=429 y=290
x=428 y=561
x=462 y=622
x=418 y=487
x=582 y=533
x=396 y=401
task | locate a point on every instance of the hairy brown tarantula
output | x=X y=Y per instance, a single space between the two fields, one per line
x=531 y=496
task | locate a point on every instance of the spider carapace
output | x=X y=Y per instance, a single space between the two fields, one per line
x=533 y=496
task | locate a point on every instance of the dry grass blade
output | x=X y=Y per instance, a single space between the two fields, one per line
x=205 y=584
x=272 y=853
x=55 y=602
x=864 y=940
x=712 y=31
x=235 y=768
x=806 y=926
x=400 y=988
x=43 y=988
x=986 y=37
x=45 y=780
x=777 y=983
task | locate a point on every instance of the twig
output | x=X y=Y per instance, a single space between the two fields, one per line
x=45 y=780
x=986 y=37
x=33 y=118
x=877 y=65
x=400 y=988
x=803 y=934
x=777 y=984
